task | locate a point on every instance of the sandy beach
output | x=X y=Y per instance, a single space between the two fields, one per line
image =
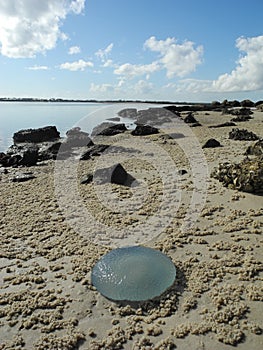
x=213 y=234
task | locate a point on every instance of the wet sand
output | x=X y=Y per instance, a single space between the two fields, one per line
x=47 y=252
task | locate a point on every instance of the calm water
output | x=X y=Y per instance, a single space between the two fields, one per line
x=15 y=116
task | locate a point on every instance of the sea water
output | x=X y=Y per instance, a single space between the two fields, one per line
x=16 y=116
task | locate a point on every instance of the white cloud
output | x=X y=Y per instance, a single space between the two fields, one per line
x=104 y=53
x=189 y=85
x=108 y=63
x=77 y=6
x=74 y=50
x=143 y=88
x=28 y=27
x=101 y=88
x=248 y=75
x=38 y=68
x=178 y=59
x=130 y=71
x=77 y=65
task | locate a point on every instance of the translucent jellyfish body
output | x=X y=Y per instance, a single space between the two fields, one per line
x=133 y=273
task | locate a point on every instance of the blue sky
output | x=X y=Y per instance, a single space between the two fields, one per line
x=179 y=50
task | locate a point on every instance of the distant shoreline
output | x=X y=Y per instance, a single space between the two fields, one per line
x=203 y=105
x=57 y=100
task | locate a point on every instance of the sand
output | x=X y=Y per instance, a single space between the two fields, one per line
x=213 y=235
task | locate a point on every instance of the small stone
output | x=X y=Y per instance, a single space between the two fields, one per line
x=211 y=143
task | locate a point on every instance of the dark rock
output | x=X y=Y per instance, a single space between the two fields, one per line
x=260 y=107
x=22 y=177
x=223 y=125
x=29 y=157
x=4 y=159
x=242 y=135
x=241 y=111
x=256 y=149
x=215 y=104
x=87 y=179
x=234 y=103
x=115 y=174
x=114 y=119
x=191 y=108
x=182 y=172
x=190 y=118
x=128 y=113
x=153 y=116
x=48 y=150
x=22 y=155
x=94 y=151
x=211 y=143
x=108 y=129
x=48 y=133
x=241 y=118
x=142 y=130
x=77 y=138
x=247 y=103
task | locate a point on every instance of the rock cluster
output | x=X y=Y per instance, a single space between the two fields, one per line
x=242 y=135
x=241 y=118
x=241 y=112
x=246 y=176
x=36 y=145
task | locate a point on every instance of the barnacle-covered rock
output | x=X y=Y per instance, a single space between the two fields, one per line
x=241 y=118
x=246 y=176
x=242 y=135
x=256 y=149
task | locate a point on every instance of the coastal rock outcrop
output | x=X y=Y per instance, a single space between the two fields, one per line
x=20 y=156
x=77 y=138
x=153 y=116
x=108 y=129
x=128 y=113
x=48 y=150
x=142 y=130
x=242 y=135
x=47 y=133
